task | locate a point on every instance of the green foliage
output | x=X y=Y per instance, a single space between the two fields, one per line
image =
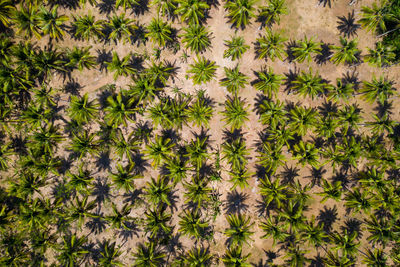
x=240 y=12
x=203 y=70
x=239 y=231
x=236 y=112
x=271 y=45
x=236 y=47
x=160 y=32
x=234 y=80
x=197 y=38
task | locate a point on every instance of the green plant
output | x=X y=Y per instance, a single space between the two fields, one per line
x=236 y=47
x=270 y=45
x=203 y=70
x=196 y=37
x=239 y=229
x=235 y=113
x=234 y=80
x=240 y=12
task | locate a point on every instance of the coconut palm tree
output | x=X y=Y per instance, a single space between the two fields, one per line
x=270 y=45
x=314 y=233
x=120 y=217
x=302 y=119
x=239 y=229
x=82 y=110
x=79 y=210
x=306 y=153
x=80 y=58
x=374 y=18
x=160 y=150
x=197 y=38
x=165 y=7
x=240 y=12
x=71 y=250
x=272 y=191
x=156 y=221
x=268 y=82
x=148 y=255
x=272 y=113
x=203 y=70
x=160 y=32
x=158 y=191
x=192 y=225
x=46 y=139
x=235 y=153
x=200 y=112
x=382 y=56
x=347 y=52
x=233 y=258
x=308 y=84
x=119 y=110
x=121 y=67
x=273 y=227
x=236 y=47
x=239 y=177
x=145 y=89
x=197 y=191
x=6 y=10
x=234 y=80
x=341 y=91
x=345 y=242
x=110 y=253
x=378 y=89
x=121 y=28
x=270 y=14
x=124 y=178
x=331 y=190
x=196 y=151
x=51 y=23
x=192 y=11
x=84 y=143
x=375 y=258
x=126 y=4
x=271 y=156
x=82 y=181
x=304 y=49
x=27 y=20
x=87 y=27
x=380 y=230
x=236 y=112
x=196 y=257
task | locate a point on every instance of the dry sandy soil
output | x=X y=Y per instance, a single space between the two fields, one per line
x=305 y=18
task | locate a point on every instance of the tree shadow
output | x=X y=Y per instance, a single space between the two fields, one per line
x=103 y=57
x=172 y=134
x=325 y=3
x=66 y=4
x=383 y=109
x=342 y=177
x=140 y=163
x=289 y=51
x=141 y=8
x=105 y=92
x=97 y=225
x=127 y=233
x=352 y=225
x=106 y=6
x=327 y=217
x=18 y=144
x=288 y=174
x=318 y=141
x=101 y=191
x=291 y=76
x=259 y=100
x=230 y=136
x=235 y=202
x=73 y=87
x=133 y=197
x=205 y=170
x=103 y=161
x=317 y=261
x=328 y=108
x=136 y=61
x=347 y=25
x=173 y=245
x=60 y=191
x=65 y=165
x=139 y=35
x=325 y=55
x=351 y=77
x=143 y=131
x=204 y=134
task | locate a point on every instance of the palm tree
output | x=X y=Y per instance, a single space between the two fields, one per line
x=382 y=56
x=378 y=89
x=191 y=11
x=110 y=254
x=272 y=113
x=158 y=191
x=71 y=251
x=331 y=190
x=26 y=186
x=177 y=169
x=203 y=70
x=159 y=72
x=375 y=258
x=240 y=177
x=197 y=191
x=234 y=80
x=80 y=181
x=159 y=31
x=307 y=84
x=236 y=112
x=197 y=38
x=126 y=3
x=345 y=242
x=305 y=48
x=196 y=151
x=374 y=18
x=120 y=218
x=271 y=156
x=380 y=231
x=240 y=12
x=33 y=215
x=124 y=178
x=239 y=231
x=327 y=126
x=82 y=110
x=382 y=124
x=124 y=147
x=165 y=7
x=80 y=210
x=302 y=119
x=296 y=256
x=272 y=227
x=119 y=110
x=156 y=221
x=160 y=150
x=46 y=139
x=84 y=143
x=145 y=89
x=148 y=255
x=358 y=201
x=51 y=23
x=200 y=112
x=306 y=153
x=235 y=153
x=314 y=233
x=196 y=257
x=270 y=45
x=268 y=82
x=233 y=258
x=27 y=20
x=342 y=91
x=272 y=191
x=350 y=117
x=191 y=224
x=6 y=10
x=47 y=62
x=121 y=28
x=334 y=260
x=121 y=66
x=346 y=53
x=236 y=47
x=86 y=27
x=270 y=14
x=80 y=58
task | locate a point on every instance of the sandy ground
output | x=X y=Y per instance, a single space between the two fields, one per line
x=305 y=18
